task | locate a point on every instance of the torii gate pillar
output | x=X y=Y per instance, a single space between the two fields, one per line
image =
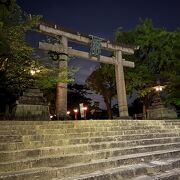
x=61 y=88
x=120 y=83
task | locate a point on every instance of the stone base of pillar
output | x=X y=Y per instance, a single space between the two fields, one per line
x=61 y=117
x=161 y=112
x=123 y=117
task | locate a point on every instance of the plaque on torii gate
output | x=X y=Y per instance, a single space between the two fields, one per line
x=95 y=44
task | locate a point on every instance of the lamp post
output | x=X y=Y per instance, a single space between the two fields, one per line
x=158 y=89
x=75 y=113
x=85 y=110
x=68 y=114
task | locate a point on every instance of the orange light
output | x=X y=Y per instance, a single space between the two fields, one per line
x=75 y=110
x=159 y=88
x=85 y=108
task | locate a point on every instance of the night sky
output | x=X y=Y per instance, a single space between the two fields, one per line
x=102 y=18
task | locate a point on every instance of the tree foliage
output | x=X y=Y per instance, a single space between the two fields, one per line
x=16 y=55
x=102 y=81
x=77 y=93
x=18 y=58
x=5 y=8
x=157 y=59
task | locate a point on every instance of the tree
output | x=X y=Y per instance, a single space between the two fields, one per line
x=5 y=8
x=173 y=85
x=78 y=93
x=18 y=58
x=156 y=60
x=102 y=81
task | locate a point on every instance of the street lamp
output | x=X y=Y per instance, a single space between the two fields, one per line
x=34 y=71
x=158 y=102
x=75 y=113
x=85 y=109
x=68 y=114
x=158 y=88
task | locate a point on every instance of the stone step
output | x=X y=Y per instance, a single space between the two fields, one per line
x=115 y=162
x=35 y=131
x=106 y=123
x=173 y=174
x=128 y=131
x=84 y=123
x=80 y=148
x=18 y=132
x=116 y=121
x=61 y=124
x=10 y=138
x=46 y=173
x=43 y=136
x=38 y=130
x=8 y=132
x=61 y=149
x=130 y=172
x=172 y=121
x=79 y=125
x=91 y=122
x=57 y=158
x=66 y=129
x=98 y=129
x=89 y=125
x=64 y=148
x=83 y=140
x=32 y=130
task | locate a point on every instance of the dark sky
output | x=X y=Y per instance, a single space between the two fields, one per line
x=102 y=18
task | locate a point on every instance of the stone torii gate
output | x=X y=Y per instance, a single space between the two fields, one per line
x=95 y=44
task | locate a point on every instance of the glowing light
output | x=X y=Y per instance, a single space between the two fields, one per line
x=37 y=71
x=32 y=72
x=159 y=88
x=85 y=108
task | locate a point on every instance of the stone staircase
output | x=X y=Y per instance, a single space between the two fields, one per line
x=90 y=150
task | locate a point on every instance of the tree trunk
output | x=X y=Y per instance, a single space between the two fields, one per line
x=146 y=104
x=144 y=112
x=108 y=106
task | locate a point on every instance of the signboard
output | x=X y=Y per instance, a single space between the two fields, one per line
x=81 y=110
x=95 y=46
